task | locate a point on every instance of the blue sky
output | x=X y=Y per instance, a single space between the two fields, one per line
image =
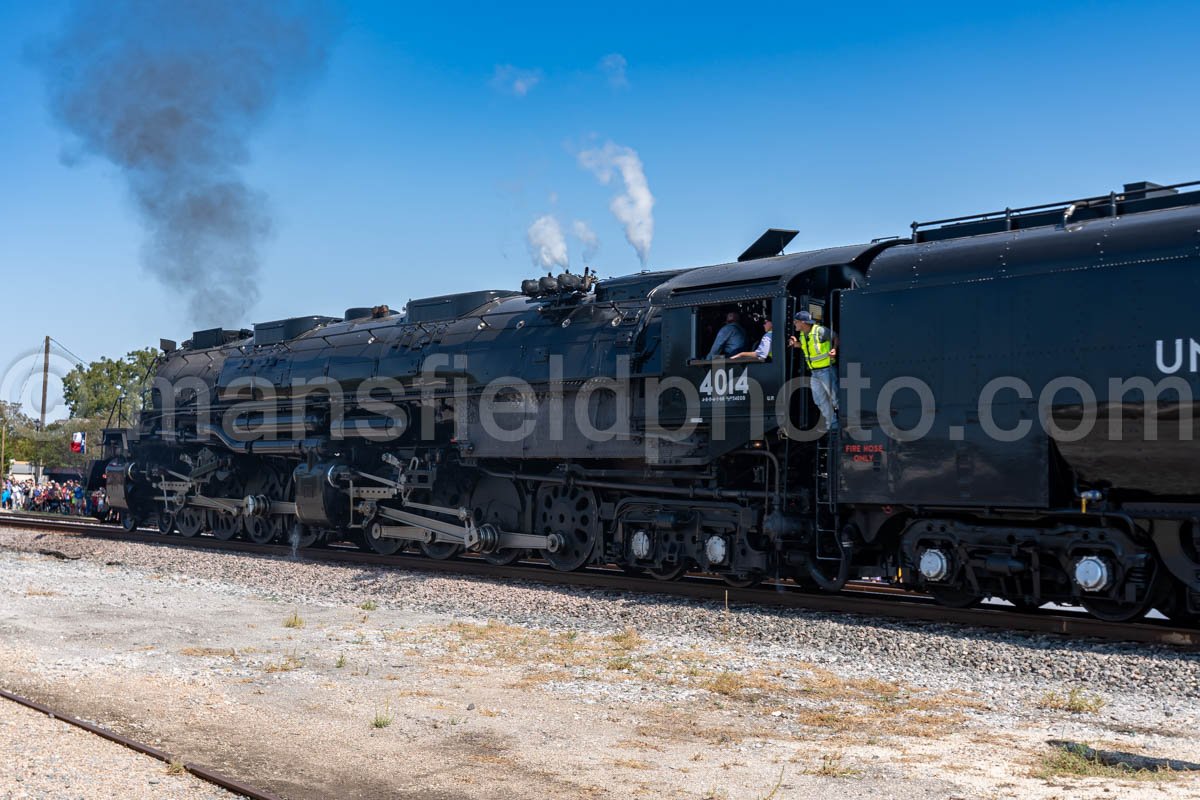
x=407 y=169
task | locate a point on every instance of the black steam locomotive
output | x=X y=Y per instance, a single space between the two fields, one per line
x=1016 y=404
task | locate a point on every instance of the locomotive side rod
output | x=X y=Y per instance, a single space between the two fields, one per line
x=467 y=535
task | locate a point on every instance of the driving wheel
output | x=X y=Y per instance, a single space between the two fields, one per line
x=267 y=528
x=190 y=521
x=497 y=501
x=374 y=543
x=570 y=516
x=224 y=525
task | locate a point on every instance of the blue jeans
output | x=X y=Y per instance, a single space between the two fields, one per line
x=825 y=394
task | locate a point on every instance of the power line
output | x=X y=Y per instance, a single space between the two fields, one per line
x=79 y=361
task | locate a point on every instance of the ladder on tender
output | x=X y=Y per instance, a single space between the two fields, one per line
x=825 y=510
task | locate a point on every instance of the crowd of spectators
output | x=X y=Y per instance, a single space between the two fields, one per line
x=52 y=497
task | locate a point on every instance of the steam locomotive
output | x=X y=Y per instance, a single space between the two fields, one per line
x=1017 y=392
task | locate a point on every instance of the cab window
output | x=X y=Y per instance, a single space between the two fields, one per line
x=733 y=331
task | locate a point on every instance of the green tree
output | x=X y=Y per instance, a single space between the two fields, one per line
x=92 y=390
x=53 y=447
x=20 y=433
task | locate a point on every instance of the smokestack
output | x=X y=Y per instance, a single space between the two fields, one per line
x=169 y=91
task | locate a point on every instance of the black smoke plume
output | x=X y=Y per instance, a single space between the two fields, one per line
x=169 y=91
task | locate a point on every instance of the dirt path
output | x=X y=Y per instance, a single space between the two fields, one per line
x=336 y=700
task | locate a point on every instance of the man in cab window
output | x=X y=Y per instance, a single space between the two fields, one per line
x=731 y=339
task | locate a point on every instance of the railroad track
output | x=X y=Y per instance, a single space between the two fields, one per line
x=862 y=599
x=200 y=771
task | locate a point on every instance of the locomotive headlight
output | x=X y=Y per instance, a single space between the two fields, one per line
x=1092 y=574
x=716 y=550
x=934 y=565
x=639 y=545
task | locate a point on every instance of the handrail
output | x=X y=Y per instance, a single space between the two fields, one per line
x=1008 y=213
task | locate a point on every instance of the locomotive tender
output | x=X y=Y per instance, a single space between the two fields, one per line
x=1016 y=418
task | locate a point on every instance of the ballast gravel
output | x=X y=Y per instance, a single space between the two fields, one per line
x=593 y=693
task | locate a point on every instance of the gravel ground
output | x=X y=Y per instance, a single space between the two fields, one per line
x=44 y=759
x=483 y=689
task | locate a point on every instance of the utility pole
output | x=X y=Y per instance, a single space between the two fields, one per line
x=45 y=379
x=45 y=385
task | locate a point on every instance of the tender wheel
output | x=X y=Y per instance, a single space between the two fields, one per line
x=744 y=581
x=166 y=522
x=190 y=521
x=375 y=543
x=571 y=516
x=1117 y=611
x=224 y=526
x=1114 y=611
x=1156 y=594
x=498 y=501
x=668 y=572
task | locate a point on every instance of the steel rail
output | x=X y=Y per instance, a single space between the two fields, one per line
x=857 y=599
x=206 y=774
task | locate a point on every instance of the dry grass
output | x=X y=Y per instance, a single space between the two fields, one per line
x=753 y=686
x=831 y=766
x=813 y=696
x=176 y=767
x=1076 y=701
x=627 y=639
x=289 y=663
x=383 y=718
x=632 y=763
x=294 y=620
x=209 y=652
x=35 y=592
x=619 y=663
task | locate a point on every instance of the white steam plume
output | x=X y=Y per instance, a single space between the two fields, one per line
x=547 y=245
x=634 y=207
x=587 y=237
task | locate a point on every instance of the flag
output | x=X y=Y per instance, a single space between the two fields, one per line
x=79 y=442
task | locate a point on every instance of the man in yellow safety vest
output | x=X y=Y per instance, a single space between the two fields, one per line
x=819 y=346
